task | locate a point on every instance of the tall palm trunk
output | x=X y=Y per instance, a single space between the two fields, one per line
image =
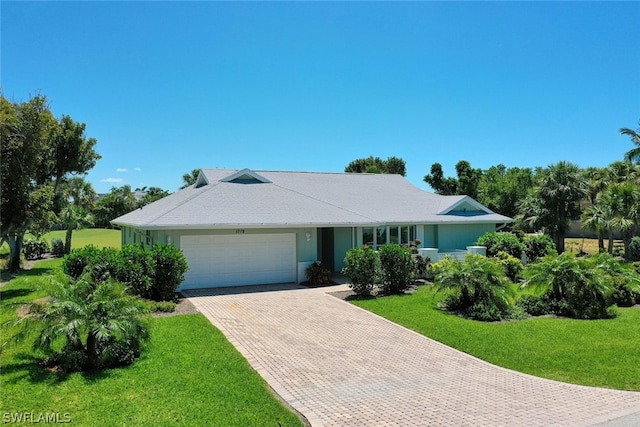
x=67 y=240
x=92 y=350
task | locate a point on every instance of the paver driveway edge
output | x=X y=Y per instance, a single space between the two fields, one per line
x=338 y=364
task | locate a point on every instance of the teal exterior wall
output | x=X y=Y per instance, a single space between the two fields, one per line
x=306 y=250
x=342 y=242
x=429 y=237
x=459 y=236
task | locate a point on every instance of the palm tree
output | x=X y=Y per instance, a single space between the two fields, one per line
x=476 y=281
x=596 y=218
x=74 y=218
x=86 y=317
x=190 y=178
x=622 y=202
x=634 y=135
x=555 y=201
x=76 y=215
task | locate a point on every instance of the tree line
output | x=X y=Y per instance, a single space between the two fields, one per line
x=44 y=160
x=546 y=199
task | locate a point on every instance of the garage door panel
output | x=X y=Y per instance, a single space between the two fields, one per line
x=231 y=260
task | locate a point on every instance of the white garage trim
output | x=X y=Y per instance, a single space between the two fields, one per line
x=237 y=260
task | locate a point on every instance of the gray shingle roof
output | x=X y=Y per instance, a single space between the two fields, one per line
x=293 y=199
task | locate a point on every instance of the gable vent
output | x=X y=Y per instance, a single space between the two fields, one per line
x=245 y=176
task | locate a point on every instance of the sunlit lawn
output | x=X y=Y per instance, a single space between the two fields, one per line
x=190 y=375
x=590 y=352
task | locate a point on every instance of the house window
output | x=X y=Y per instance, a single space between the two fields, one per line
x=376 y=237
x=367 y=236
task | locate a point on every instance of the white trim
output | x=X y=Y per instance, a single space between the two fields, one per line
x=469 y=200
x=248 y=172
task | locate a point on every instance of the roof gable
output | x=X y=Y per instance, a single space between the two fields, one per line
x=465 y=205
x=246 y=176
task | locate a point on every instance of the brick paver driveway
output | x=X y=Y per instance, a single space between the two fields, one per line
x=340 y=365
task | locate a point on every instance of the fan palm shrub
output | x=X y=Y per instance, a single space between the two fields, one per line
x=86 y=324
x=477 y=287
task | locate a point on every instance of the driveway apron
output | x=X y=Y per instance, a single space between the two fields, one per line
x=340 y=365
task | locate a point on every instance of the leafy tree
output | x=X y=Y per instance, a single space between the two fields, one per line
x=190 y=178
x=634 y=135
x=501 y=188
x=393 y=165
x=152 y=194
x=554 y=201
x=119 y=201
x=88 y=319
x=38 y=153
x=441 y=184
x=466 y=183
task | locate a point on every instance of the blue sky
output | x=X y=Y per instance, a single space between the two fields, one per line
x=166 y=87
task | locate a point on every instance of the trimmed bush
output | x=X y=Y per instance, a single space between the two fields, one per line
x=397 y=269
x=136 y=269
x=532 y=305
x=57 y=247
x=149 y=273
x=538 y=246
x=34 y=249
x=362 y=268
x=421 y=265
x=162 y=306
x=318 y=275
x=501 y=241
x=170 y=266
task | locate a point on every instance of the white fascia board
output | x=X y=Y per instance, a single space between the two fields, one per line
x=466 y=199
x=245 y=171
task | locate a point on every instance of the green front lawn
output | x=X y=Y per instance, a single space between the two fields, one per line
x=100 y=237
x=601 y=353
x=190 y=375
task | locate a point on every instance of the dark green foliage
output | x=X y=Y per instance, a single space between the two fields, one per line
x=421 y=265
x=512 y=266
x=623 y=295
x=318 y=275
x=136 y=268
x=538 y=246
x=393 y=165
x=478 y=287
x=362 y=268
x=634 y=249
x=86 y=324
x=57 y=247
x=580 y=288
x=150 y=273
x=170 y=266
x=501 y=241
x=397 y=269
x=35 y=249
x=533 y=305
x=162 y=306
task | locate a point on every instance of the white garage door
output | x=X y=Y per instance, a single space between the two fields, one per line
x=244 y=259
